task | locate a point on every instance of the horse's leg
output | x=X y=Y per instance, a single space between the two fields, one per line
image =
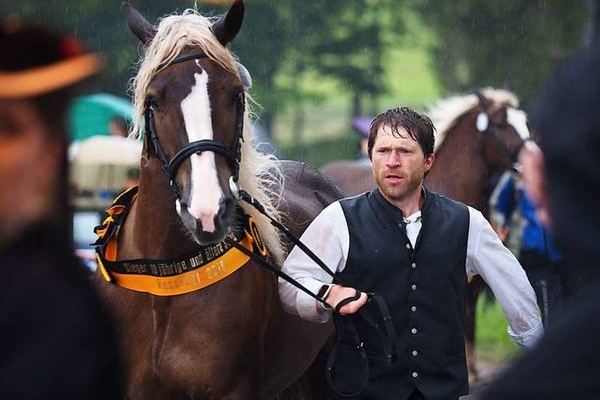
x=131 y=313
x=474 y=288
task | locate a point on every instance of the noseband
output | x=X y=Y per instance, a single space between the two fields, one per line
x=233 y=155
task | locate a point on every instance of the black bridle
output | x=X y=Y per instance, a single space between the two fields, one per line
x=232 y=155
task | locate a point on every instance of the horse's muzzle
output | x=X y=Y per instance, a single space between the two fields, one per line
x=209 y=229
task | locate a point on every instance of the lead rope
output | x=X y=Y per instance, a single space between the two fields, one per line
x=387 y=338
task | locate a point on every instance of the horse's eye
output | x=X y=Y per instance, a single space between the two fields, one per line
x=236 y=95
x=152 y=103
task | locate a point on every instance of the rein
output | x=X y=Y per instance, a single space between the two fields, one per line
x=342 y=323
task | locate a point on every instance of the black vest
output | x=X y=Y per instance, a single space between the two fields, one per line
x=424 y=288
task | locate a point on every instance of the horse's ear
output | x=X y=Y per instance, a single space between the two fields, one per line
x=484 y=102
x=229 y=25
x=140 y=27
x=500 y=116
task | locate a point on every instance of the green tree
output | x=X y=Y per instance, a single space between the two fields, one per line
x=510 y=43
x=281 y=42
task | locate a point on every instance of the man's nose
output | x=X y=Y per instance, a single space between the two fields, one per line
x=393 y=159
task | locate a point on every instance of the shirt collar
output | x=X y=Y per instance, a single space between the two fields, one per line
x=396 y=212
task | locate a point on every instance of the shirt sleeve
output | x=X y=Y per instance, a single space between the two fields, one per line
x=327 y=236
x=487 y=256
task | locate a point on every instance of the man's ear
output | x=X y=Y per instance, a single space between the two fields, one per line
x=533 y=172
x=429 y=160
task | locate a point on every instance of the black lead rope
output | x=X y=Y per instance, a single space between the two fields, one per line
x=259 y=207
x=387 y=338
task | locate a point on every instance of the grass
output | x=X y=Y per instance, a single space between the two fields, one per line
x=493 y=343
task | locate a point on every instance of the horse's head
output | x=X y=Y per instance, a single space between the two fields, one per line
x=503 y=129
x=190 y=91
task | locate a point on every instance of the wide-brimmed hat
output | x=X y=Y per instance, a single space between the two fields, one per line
x=36 y=61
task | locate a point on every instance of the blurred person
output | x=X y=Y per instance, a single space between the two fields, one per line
x=361 y=127
x=132 y=180
x=56 y=339
x=538 y=254
x=563 y=178
x=416 y=249
x=117 y=126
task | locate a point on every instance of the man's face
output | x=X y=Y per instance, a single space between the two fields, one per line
x=29 y=166
x=399 y=164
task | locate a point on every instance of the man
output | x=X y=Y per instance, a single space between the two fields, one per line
x=564 y=181
x=117 y=126
x=56 y=340
x=416 y=249
x=538 y=254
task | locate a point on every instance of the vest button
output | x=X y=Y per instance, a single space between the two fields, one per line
x=413 y=331
x=413 y=308
x=408 y=246
x=413 y=265
x=415 y=374
x=413 y=287
x=414 y=353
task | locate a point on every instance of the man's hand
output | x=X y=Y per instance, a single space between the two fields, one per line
x=339 y=293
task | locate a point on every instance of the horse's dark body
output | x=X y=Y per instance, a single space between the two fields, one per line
x=351 y=176
x=230 y=340
x=199 y=345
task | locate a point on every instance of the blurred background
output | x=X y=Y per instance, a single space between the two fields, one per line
x=317 y=64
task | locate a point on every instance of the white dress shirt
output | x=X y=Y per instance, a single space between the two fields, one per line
x=328 y=237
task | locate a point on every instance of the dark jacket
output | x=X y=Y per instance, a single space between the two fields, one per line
x=56 y=341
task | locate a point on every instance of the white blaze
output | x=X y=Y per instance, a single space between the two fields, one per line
x=205 y=191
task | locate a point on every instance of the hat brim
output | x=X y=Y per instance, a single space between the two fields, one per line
x=42 y=80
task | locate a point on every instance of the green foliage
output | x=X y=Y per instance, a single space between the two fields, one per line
x=511 y=43
x=315 y=63
x=318 y=153
x=338 y=39
x=492 y=340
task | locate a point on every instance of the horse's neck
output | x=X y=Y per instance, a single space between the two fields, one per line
x=459 y=170
x=153 y=228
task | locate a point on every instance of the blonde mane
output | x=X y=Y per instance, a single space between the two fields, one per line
x=260 y=175
x=446 y=113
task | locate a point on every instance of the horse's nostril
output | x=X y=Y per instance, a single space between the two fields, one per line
x=225 y=204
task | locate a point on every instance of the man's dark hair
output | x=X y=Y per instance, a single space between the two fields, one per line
x=418 y=126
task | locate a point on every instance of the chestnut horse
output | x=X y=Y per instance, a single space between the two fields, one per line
x=229 y=340
x=477 y=138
